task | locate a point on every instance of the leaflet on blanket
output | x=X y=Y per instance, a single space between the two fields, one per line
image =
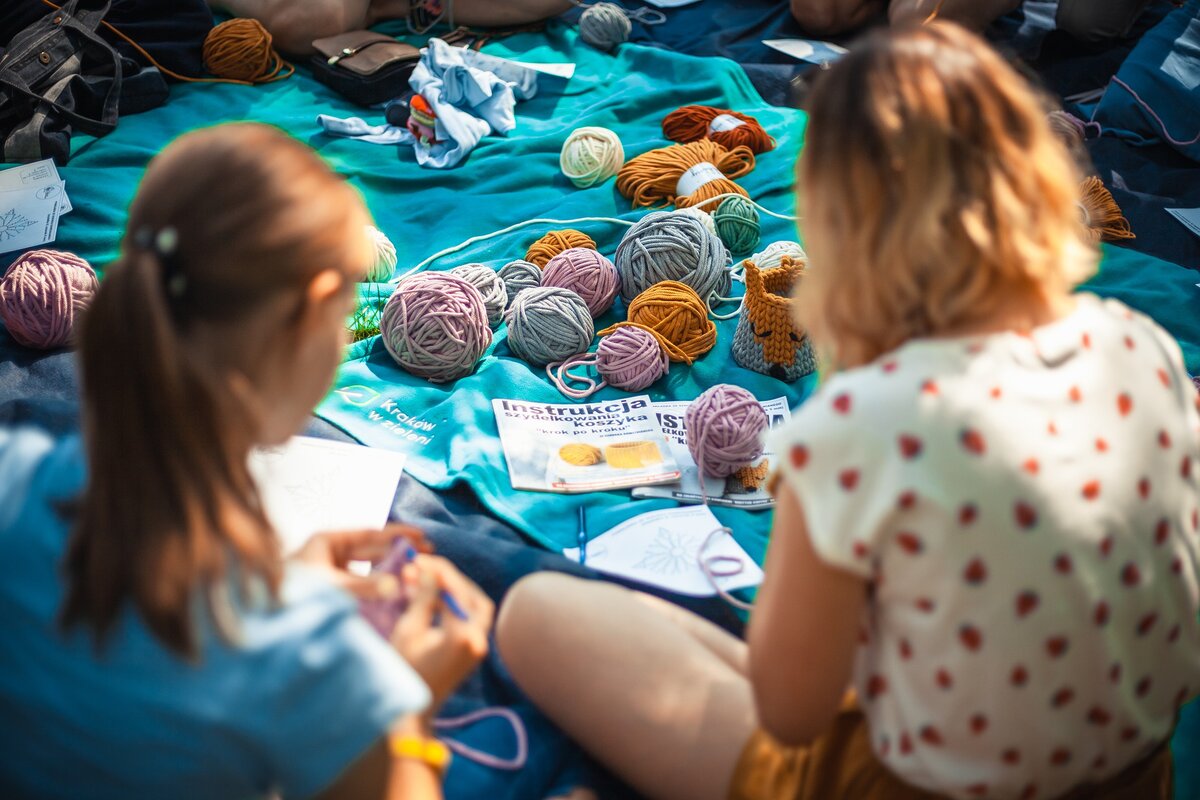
x=670 y=549
x=746 y=488
x=810 y=50
x=32 y=198
x=583 y=447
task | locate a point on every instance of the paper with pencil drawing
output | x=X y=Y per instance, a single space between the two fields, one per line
x=312 y=485
x=32 y=198
x=662 y=548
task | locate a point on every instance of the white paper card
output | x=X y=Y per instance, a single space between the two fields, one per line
x=29 y=218
x=566 y=70
x=312 y=485
x=38 y=175
x=1190 y=217
x=810 y=50
x=662 y=549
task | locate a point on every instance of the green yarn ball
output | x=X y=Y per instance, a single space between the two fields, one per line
x=737 y=224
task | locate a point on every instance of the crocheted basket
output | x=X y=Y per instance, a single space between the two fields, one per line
x=767 y=340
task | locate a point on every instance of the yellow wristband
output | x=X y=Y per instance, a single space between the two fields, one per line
x=419 y=748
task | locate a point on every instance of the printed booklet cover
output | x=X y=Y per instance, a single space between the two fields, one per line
x=584 y=447
x=746 y=488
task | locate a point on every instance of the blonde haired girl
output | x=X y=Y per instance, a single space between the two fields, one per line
x=987 y=516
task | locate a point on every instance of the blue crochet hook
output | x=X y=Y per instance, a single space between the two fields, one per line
x=447 y=598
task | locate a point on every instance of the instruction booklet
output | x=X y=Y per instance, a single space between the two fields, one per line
x=584 y=447
x=746 y=488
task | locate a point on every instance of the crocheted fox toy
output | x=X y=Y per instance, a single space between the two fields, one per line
x=767 y=340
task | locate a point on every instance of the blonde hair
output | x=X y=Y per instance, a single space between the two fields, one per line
x=932 y=190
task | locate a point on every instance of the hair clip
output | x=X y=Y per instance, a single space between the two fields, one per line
x=163 y=244
x=166 y=241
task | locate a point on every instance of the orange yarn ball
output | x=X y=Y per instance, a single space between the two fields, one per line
x=727 y=128
x=554 y=242
x=240 y=49
x=685 y=174
x=676 y=316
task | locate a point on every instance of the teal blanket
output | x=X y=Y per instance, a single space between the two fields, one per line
x=449 y=431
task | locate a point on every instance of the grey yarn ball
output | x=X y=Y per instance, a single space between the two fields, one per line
x=520 y=275
x=604 y=25
x=665 y=246
x=490 y=285
x=548 y=324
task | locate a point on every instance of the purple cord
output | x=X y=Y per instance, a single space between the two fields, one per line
x=1152 y=113
x=478 y=756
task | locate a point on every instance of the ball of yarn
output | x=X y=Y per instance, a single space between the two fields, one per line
x=548 y=324
x=586 y=273
x=664 y=246
x=490 y=285
x=772 y=256
x=631 y=359
x=604 y=25
x=690 y=174
x=726 y=128
x=435 y=326
x=737 y=224
x=42 y=294
x=590 y=156
x=705 y=218
x=519 y=275
x=385 y=259
x=554 y=243
x=725 y=426
x=240 y=49
x=676 y=316
x=580 y=455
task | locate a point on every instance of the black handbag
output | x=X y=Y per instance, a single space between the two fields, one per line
x=57 y=76
x=370 y=68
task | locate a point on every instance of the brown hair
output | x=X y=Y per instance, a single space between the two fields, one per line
x=225 y=221
x=933 y=190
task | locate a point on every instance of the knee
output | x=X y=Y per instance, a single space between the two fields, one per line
x=294 y=25
x=1097 y=20
x=528 y=609
x=822 y=17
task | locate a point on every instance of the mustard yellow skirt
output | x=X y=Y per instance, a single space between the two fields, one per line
x=840 y=765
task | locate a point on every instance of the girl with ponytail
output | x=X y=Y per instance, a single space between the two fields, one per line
x=157 y=642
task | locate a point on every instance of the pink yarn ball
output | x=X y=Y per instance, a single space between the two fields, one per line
x=435 y=326
x=631 y=359
x=587 y=273
x=725 y=426
x=42 y=294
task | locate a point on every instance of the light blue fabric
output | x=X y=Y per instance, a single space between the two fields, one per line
x=305 y=691
x=472 y=94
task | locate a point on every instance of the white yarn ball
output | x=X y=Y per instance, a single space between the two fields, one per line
x=591 y=155
x=771 y=256
x=704 y=217
x=384 y=265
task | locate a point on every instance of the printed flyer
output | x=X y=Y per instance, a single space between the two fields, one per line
x=584 y=447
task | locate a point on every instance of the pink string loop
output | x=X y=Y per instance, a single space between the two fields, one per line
x=561 y=376
x=478 y=756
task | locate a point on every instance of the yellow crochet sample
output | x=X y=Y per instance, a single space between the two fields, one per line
x=632 y=455
x=580 y=455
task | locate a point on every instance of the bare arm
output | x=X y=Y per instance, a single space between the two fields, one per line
x=803 y=632
x=378 y=776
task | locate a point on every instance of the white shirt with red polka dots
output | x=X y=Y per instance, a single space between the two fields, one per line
x=1025 y=509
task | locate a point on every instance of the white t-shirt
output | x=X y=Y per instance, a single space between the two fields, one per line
x=1025 y=509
